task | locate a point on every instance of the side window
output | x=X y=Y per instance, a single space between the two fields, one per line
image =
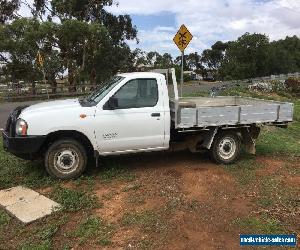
x=138 y=93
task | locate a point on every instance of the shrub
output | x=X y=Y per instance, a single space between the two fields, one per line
x=277 y=86
x=293 y=84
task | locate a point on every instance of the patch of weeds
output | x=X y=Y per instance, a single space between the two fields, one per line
x=145 y=244
x=136 y=199
x=48 y=232
x=293 y=169
x=41 y=237
x=4 y=219
x=272 y=193
x=268 y=191
x=173 y=203
x=259 y=225
x=96 y=229
x=108 y=196
x=193 y=205
x=243 y=171
x=280 y=141
x=133 y=187
x=74 y=200
x=148 y=220
x=115 y=171
x=87 y=181
x=66 y=247
x=44 y=245
x=15 y=172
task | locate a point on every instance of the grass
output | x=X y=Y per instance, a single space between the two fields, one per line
x=274 y=194
x=244 y=171
x=148 y=221
x=43 y=245
x=41 y=236
x=4 y=219
x=115 y=171
x=15 y=172
x=74 y=200
x=259 y=225
x=94 y=228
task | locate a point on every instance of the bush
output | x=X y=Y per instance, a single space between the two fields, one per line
x=187 y=77
x=278 y=86
x=293 y=85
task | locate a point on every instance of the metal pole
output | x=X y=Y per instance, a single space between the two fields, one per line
x=45 y=82
x=181 y=81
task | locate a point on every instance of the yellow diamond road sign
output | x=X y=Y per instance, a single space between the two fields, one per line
x=40 y=59
x=183 y=38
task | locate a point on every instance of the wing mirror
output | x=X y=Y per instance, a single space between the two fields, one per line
x=111 y=104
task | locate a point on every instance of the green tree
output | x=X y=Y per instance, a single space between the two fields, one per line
x=8 y=9
x=164 y=61
x=246 y=58
x=87 y=42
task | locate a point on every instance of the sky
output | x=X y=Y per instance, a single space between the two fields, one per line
x=208 y=20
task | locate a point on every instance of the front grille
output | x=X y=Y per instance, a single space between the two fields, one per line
x=12 y=119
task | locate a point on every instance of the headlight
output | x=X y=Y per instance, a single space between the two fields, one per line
x=21 y=127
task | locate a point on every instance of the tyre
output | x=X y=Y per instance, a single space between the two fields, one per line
x=66 y=159
x=226 y=148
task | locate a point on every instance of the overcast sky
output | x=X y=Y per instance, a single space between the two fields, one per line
x=208 y=20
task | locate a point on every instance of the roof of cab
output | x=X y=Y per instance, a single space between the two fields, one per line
x=141 y=74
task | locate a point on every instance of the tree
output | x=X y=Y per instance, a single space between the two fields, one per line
x=178 y=59
x=87 y=42
x=22 y=40
x=152 y=58
x=194 y=62
x=164 y=61
x=8 y=9
x=247 y=57
x=90 y=36
x=212 y=58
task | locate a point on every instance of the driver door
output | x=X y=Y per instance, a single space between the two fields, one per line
x=137 y=123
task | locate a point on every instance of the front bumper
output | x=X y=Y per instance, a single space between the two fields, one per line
x=22 y=145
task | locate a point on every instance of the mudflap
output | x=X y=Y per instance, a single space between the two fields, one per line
x=249 y=135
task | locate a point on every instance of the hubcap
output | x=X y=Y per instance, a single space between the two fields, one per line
x=66 y=161
x=227 y=148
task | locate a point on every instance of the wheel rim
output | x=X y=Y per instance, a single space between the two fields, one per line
x=227 y=148
x=66 y=161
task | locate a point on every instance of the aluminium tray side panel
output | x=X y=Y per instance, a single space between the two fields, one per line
x=286 y=112
x=217 y=116
x=258 y=113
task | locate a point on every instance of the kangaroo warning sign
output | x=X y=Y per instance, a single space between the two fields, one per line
x=183 y=38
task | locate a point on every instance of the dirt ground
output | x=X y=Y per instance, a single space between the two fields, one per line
x=198 y=200
x=184 y=201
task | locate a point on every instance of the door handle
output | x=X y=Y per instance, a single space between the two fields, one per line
x=155 y=114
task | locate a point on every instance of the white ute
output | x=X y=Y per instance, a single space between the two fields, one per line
x=134 y=113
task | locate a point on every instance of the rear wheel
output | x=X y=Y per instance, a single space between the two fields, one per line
x=66 y=159
x=226 y=148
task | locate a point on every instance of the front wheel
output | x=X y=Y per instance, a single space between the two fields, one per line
x=226 y=147
x=66 y=159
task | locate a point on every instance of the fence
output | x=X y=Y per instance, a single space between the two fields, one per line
x=44 y=92
x=266 y=78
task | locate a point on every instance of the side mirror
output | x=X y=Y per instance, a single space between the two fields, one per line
x=111 y=104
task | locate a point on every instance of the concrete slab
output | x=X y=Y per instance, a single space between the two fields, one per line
x=26 y=204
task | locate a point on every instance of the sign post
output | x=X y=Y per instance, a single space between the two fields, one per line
x=40 y=62
x=182 y=40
